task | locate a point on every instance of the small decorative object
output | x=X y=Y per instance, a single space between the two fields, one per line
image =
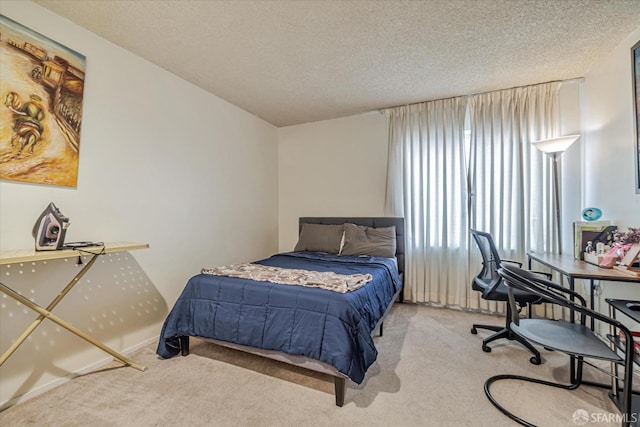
x=626 y=248
x=623 y=244
x=589 y=248
x=599 y=248
x=591 y=214
x=599 y=259
x=623 y=241
x=626 y=264
x=590 y=254
x=594 y=231
x=632 y=235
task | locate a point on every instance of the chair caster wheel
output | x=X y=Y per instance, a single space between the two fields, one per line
x=535 y=360
x=486 y=349
x=474 y=331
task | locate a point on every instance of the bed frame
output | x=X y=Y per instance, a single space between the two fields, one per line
x=313 y=364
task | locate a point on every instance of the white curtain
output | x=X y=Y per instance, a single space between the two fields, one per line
x=494 y=181
x=510 y=181
x=426 y=184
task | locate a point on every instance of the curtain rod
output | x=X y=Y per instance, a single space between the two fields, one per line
x=575 y=79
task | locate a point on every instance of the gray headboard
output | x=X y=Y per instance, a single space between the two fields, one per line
x=369 y=222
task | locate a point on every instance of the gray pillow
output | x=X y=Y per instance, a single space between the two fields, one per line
x=361 y=240
x=320 y=238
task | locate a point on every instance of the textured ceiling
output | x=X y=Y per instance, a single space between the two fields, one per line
x=292 y=62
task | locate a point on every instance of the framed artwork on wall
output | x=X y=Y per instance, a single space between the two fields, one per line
x=635 y=63
x=41 y=89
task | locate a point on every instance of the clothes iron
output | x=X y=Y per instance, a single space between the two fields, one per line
x=50 y=229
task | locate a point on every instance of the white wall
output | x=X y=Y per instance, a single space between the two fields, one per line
x=570 y=161
x=331 y=168
x=609 y=151
x=339 y=168
x=609 y=137
x=162 y=162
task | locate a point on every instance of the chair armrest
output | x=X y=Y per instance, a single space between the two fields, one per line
x=548 y=284
x=555 y=294
x=549 y=276
x=518 y=263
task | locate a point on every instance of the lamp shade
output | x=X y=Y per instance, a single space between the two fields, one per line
x=555 y=145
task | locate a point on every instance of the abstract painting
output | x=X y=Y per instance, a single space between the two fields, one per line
x=41 y=91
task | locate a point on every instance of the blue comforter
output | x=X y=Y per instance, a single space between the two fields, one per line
x=332 y=327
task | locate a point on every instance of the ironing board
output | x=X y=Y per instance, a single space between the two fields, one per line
x=29 y=255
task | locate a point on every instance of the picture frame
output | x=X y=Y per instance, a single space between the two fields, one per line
x=41 y=97
x=635 y=73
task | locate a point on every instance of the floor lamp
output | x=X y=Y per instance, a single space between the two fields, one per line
x=554 y=147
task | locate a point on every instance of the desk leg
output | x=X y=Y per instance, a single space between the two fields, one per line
x=572 y=319
x=614 y=366
x=44 y=313
x=572 y=288
x=592 y=295
x=50 y=307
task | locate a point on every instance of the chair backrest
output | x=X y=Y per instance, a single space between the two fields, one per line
x=490 y=259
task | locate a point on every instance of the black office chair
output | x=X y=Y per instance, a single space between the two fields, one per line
x=489 y=282
x=576 y=340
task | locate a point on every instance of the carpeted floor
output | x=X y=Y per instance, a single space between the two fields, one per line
x=430 y=372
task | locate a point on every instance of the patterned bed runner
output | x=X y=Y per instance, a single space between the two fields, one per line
x=286 y=276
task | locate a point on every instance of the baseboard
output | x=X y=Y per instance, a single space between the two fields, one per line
x=58 y=382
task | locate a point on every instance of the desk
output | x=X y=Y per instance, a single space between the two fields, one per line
x=30 y=255
x=573 y=269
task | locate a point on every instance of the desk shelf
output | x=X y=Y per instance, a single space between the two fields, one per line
x=620 y=346
x=621 y=306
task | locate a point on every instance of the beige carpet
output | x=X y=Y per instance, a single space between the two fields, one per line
x=430 y=372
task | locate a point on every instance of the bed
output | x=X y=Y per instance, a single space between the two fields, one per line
x=325 y=327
